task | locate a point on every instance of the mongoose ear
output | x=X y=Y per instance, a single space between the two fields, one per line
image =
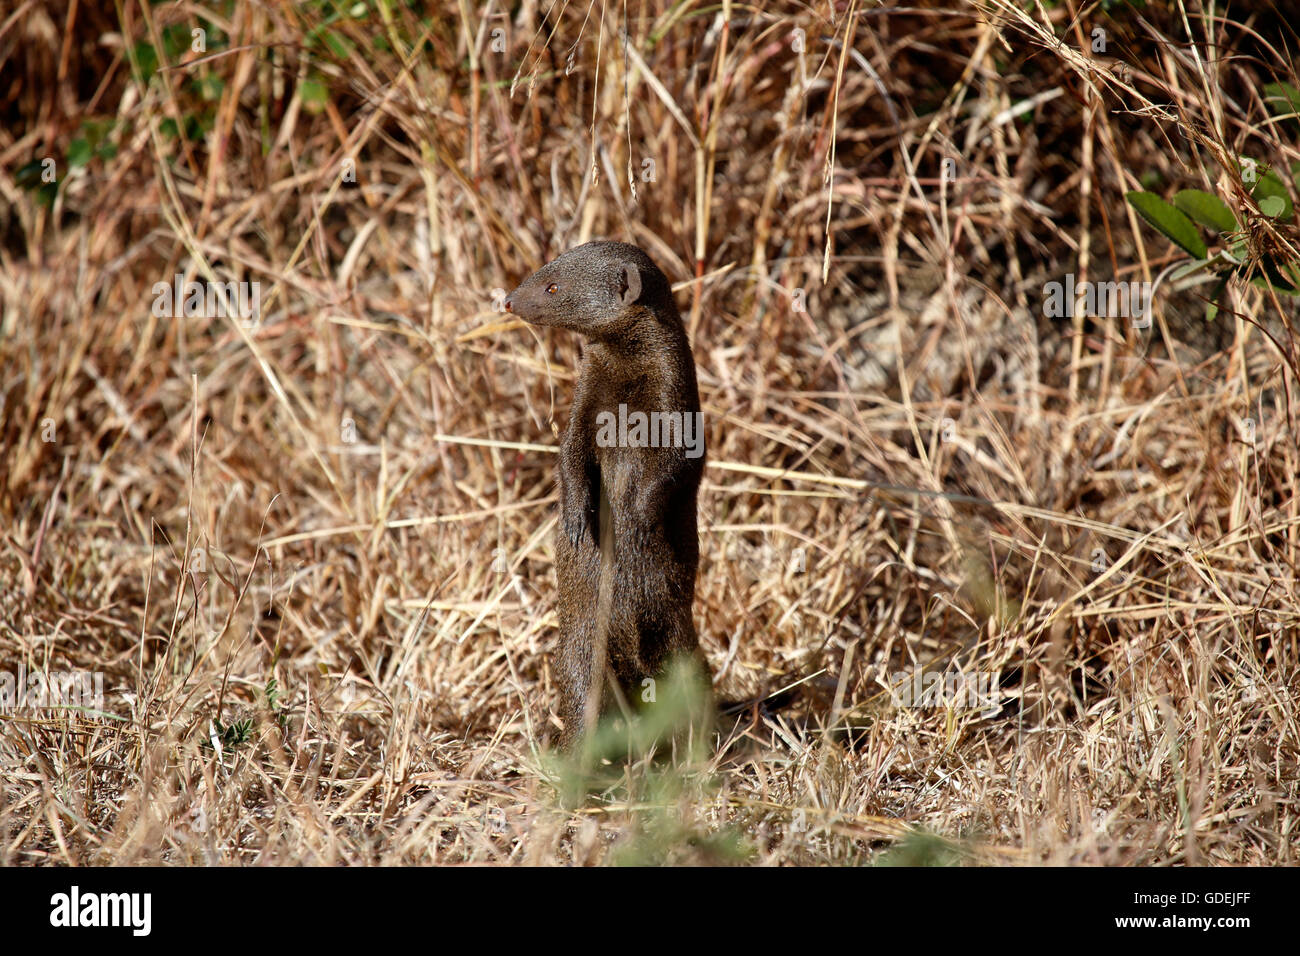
x=629 y=283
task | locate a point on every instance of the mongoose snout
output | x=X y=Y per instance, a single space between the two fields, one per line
x=591 y=289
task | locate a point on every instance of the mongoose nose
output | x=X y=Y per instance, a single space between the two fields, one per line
x=510 y=306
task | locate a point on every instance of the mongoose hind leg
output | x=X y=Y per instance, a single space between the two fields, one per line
x=573 y=674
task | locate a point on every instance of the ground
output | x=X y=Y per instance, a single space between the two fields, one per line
x=308 y=557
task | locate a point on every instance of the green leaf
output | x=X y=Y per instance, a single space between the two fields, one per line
x=1168 y=220
x=1191 y=268
x=79 y=152
x=95 y=131
x=29 y=175
x=198 y=125
x=176 y=41
x=146 y=57
x=1283 y=99
x=313 y=92
x=210 y=87
x=1272 y=206
x=338 y=44
x=1270 y=185
x=1272 y=278
x=1213 y=305
x=1207 y=209
x=1262 y=283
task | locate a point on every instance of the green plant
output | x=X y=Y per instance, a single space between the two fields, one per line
x=276 y=705
x=922 y=848
x=1263 y=264
x=1250 y=246
x=234 y=734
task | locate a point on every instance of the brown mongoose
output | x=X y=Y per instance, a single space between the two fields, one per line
x=634 y=448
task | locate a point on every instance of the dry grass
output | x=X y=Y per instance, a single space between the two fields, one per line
x=360 y=489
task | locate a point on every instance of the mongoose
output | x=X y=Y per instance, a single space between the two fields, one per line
x=631 y=608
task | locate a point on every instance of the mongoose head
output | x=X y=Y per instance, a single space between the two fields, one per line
x=599 y=289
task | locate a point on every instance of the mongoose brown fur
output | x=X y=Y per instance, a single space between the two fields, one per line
x=638 y=617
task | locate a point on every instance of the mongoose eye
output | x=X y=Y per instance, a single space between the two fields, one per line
x=552 y=288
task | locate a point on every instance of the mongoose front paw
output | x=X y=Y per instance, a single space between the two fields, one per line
x=575 y=527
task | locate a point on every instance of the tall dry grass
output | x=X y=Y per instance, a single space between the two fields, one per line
x=311 y=557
